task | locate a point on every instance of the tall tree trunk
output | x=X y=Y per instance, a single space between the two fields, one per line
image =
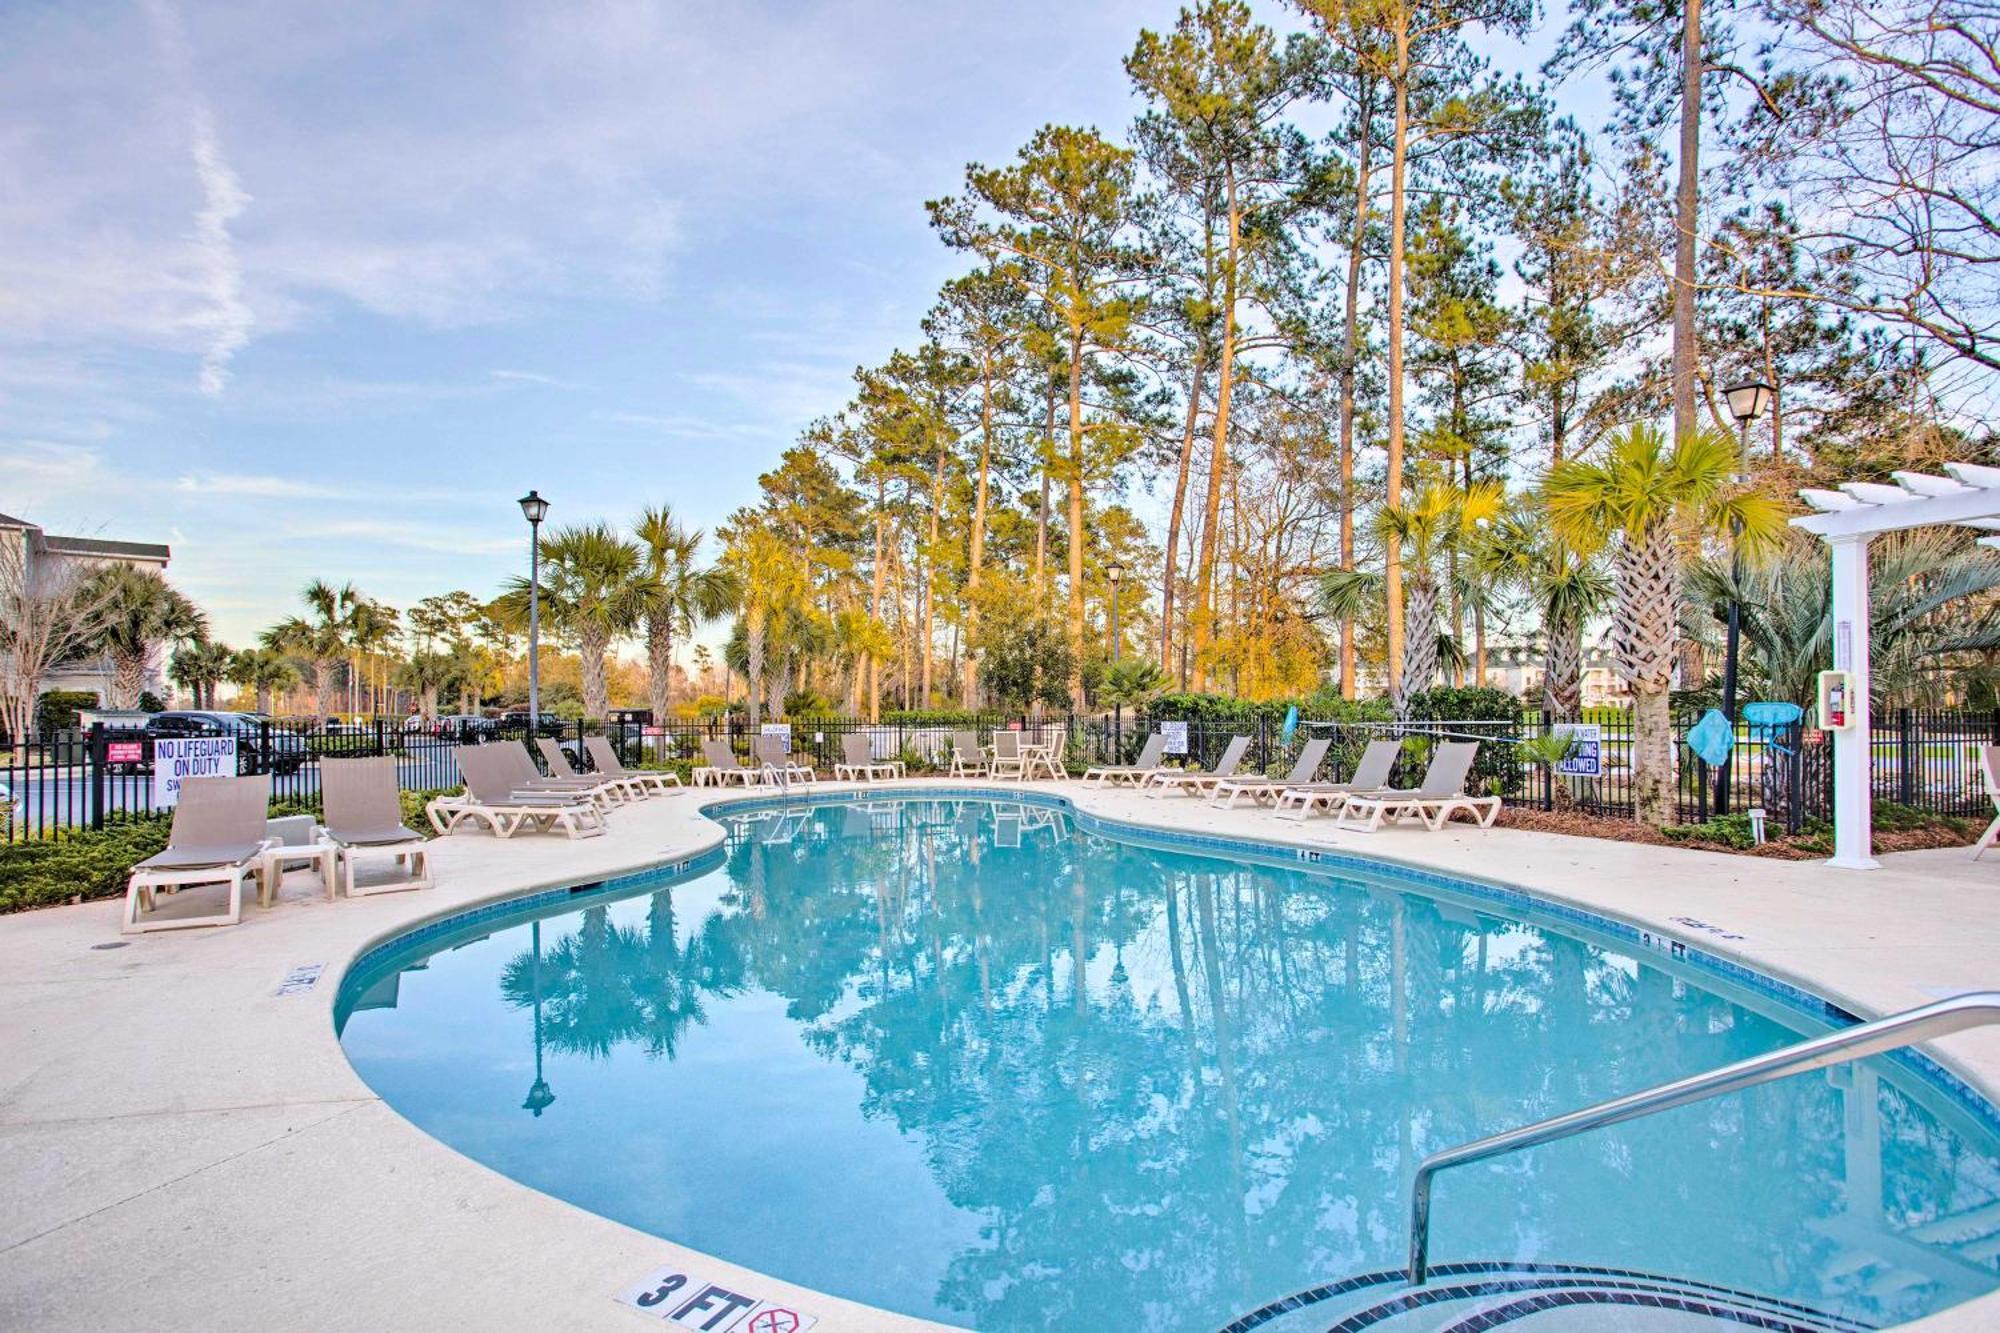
x=1218 y=464
x=1420 y=651
x=976 y=553
x=1392 y=580
x=927 y=566
x=753 y=644
x=1181 y=469
x=1350 y=356
x=1076 y=461
x=875 y=600
x=128 y=678
x=1687 y=216
x=1644 y=634
x=594 y=643
x=1562 y=676
x=659 y=663
x=1042 y=513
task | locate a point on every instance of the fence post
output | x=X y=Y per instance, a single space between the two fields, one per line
x=96 y=756
x=1905 y=753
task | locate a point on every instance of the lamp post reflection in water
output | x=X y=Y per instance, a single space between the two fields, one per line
x=539 y=1096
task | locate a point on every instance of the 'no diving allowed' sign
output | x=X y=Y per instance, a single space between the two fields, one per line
x=676 y=1296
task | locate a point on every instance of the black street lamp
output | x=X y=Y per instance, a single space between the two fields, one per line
x=1747 y=402
x=1116 y=573
x=535 y=509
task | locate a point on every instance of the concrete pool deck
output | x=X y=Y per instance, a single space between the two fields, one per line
x=181 y=1146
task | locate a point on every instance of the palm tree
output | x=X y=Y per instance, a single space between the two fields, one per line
x=319 y=638
x=771 y=583
x=141 y=611
x=592 y=591
x=426 y=673
x=371 y=626
x=1567 y=587
x=265 y=670
x=678 y=596
x=1925 y=601
x=1439 y=519
x=1652 y=504
x=200 y=667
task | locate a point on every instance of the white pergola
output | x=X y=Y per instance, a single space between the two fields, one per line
x=1968 y=497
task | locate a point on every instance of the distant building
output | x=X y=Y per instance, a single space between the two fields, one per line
x=1518 y=666
x=93 y=674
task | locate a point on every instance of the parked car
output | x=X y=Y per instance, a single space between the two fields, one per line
x=260 y=747
x=455 y=725
x=517 y=720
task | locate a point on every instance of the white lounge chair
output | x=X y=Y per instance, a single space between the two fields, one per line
x=218 y=836
x=859 y=763
x=561 y=770
x=364 y=814
x=604 y=759
x=771 y=755
x=1185 y=781
x=1441 y=796
x=492 y=797
x=722 y=767
x=1371 y=774
x=1260 y=788
x=1135 y=772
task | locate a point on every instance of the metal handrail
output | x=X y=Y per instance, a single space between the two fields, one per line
x=1976 y=1009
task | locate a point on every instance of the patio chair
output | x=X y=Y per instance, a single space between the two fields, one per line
x=1441 y=795
x=1135 y=772
x=1260 y=788
x=860 y=763
x=1006 y=759
x=526 y=776
x=218 y=837
x=364 y=815
x=1371 y=774
x=1185 y=781
x=605 y=760
x=557 y=761
x=968 y=760
x=770 y=754
x=493 y=797
x=722 y=767
x=1989 y=767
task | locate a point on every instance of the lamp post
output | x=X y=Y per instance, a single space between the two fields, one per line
x=1116 y=573
x=535 y=508
x=1747 y=402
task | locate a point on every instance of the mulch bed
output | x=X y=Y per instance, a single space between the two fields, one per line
x=1579 y=825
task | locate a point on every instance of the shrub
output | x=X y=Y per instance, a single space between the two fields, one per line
x=150 y=702
x=56 y=710
x=77 y=863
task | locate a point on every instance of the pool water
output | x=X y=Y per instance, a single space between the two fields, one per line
x=965 y=1060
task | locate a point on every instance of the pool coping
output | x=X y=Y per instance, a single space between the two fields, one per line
x=226 y=1051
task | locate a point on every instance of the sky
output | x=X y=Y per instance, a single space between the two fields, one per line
x=316 y=291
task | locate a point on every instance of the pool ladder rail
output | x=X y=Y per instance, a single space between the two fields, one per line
x=1972 y=1010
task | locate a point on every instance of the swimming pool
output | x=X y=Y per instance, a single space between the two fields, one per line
x=974 y=1060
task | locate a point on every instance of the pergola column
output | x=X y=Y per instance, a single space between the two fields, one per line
x=1853 y=806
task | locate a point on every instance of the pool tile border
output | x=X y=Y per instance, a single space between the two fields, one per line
x=1964 y=1097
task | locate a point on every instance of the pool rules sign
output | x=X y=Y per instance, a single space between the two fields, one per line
x=677 y=1297
x=175 y=761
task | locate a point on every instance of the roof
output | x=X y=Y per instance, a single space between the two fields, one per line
x=9 y=521
x=93 y=546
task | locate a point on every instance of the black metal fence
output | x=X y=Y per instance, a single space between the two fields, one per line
x=1927 y=760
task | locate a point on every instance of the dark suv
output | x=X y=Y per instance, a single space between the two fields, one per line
x=260 y=747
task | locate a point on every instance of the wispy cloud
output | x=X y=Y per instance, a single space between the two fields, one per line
x=252 y=485
x=531 y=377
x=225 y=319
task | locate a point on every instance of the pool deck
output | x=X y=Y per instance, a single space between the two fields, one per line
x=180 y=1146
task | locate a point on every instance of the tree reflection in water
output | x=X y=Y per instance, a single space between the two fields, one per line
x=1173 y=1087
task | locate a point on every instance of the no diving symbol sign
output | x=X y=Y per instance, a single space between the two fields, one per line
x=676 y=1296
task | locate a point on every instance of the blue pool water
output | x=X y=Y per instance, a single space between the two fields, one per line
x=966 y=1060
